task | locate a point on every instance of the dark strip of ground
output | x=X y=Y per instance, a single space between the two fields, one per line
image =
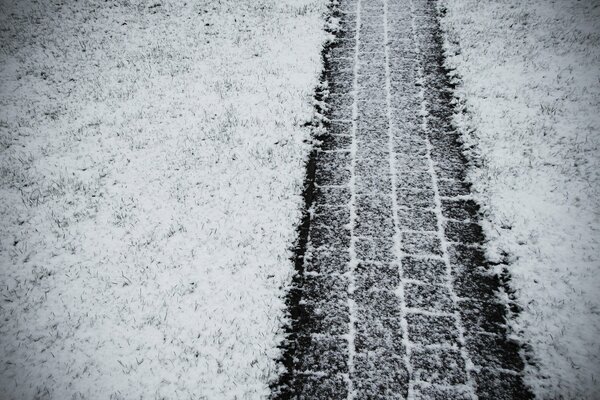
x=393 y=296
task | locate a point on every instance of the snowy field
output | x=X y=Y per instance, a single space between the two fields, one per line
x=151 y=163
x=530 y=82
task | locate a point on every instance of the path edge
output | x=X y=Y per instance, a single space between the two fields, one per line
x=284 y=386
x=461 y=123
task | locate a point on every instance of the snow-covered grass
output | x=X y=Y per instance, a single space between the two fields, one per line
x=530 y=85
x=151 y=163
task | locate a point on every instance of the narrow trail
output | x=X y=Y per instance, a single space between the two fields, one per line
x=393 y=298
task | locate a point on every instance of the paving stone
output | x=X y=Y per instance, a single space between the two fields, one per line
x=417 y=180
x=336 y=216
x=342 y=83
x=327 y=354
x=375 y=249
x=411 y=157
x=342 y=112
x=371 y=60
x=475 y=283
x=372 y=161
x=372 y=139
x=464 y=232
x=494 y=352
x=341 y=54
x=372 y=80
x=409 y=138
x=371 y=47
x=428 y=297
x=348 y=6
x=421 y=243
x=375 y=275
x=452 y=188
x=440 y=366
x=371 y=69
x=372 y=34
x=376 y=304
x=450 y=170
x=399 y=42
x=422 y=392
x=374 y=7
x=432 y=329
x=447 y=149
x=379 y=334
x=333 y=160
x=373 y=174
x=373 y=184
x=409 y=143
x=340 y=128
x=471 y=278
x=317 y=387
x=405 y=105
x=501 y=386
x=347 y=28
x=372 y=18
x=412 y=163
x=415 y=197
x=408 y=89
x=327 y=261
x=323 y=236
x=330 y=230
x=333 y=169
x=374 y=95
x=379 y=375
x=403 y=53
x=427 y=270
x=417 y=219
x=438 y=128
x=460 y=210
x=336 y=142
x=339 y=69
x=466 y=256
x=399 y=17
x=323 y=316
x=332 y=195
x=320 y=288
x=348 y=45
x=483 y=316
x=331 y=211
x=373 y=113
x=374 y=216
x=349 y=9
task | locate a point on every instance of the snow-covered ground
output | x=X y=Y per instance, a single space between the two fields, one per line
x=530 y=81
x=151 y=163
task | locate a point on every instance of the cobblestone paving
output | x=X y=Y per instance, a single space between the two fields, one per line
x=394 y=298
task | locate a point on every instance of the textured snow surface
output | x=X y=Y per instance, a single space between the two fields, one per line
x=531 y=87
x=151 y=163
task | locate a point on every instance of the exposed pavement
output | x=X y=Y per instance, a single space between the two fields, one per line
x=394 y=298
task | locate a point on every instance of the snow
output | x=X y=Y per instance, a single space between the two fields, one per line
x=529 y=88
x=152 y=157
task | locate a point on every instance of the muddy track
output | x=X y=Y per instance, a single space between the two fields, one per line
x=393 y=296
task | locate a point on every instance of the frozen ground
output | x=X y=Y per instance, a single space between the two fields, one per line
x=531 y=86
x=150 y=177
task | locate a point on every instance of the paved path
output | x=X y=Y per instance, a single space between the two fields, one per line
x=394 y=298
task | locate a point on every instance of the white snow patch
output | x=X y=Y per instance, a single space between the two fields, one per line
x=151 y=165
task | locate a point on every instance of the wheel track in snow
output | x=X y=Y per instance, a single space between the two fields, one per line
x=393 y=296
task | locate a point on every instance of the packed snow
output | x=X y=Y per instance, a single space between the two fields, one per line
x=529 y=86
x=152 y=160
